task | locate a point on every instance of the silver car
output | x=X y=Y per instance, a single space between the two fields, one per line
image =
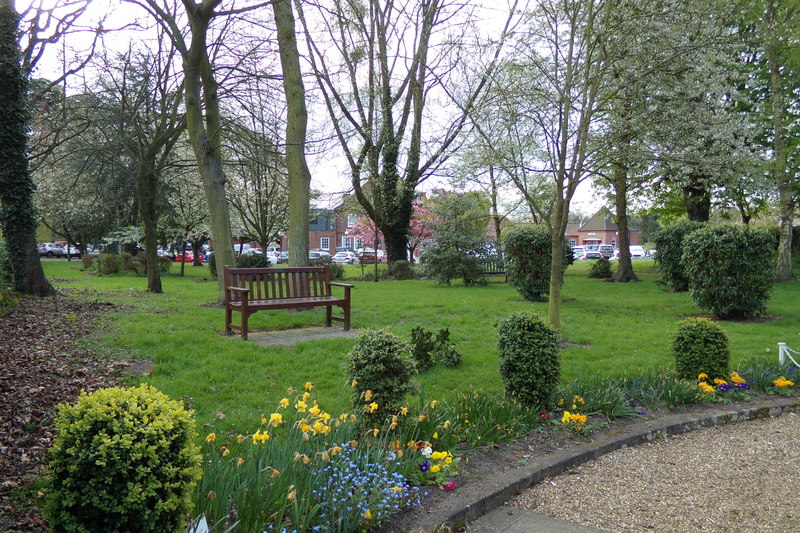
x=51 y=249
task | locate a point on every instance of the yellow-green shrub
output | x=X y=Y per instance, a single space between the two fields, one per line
x=124 y=461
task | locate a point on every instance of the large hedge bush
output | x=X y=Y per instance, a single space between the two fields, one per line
x=380 y=369
x=444 y=265
x=529 y=249
x=124 y=460
x=529 y=359
x=669 y=248
x=731 y=269
x=700 y=346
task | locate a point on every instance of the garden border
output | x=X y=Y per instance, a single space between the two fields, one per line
x=472 y=501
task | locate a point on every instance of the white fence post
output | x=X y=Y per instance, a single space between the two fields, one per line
x=781 y=352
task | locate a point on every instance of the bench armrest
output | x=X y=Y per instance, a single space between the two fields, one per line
x=346 y=285
x=237 y=289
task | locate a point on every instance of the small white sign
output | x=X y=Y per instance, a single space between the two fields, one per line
x=198 y=525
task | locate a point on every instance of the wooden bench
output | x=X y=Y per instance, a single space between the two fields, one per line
x=248 y=290
x=493 y=267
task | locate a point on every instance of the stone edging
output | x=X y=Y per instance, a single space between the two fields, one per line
x=477 y=499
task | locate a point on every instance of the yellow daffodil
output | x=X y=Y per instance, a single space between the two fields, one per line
x=284 y=402
x=292 y=494
x=368 y=515
x=275 y=419
x=212 y=495
x=301 y=407
x=291 y=390
x=319 y=427
x=306 y=396
x=371 y=408
x=211 y=437
x=240 y=439
x=404 y=411
x=308 y=385
x=435 y=434
x=375 y=432
x=368 y=395
x=315 y=411
x=447 y=424
x=354 y=383
x=325 y=417
x=275 y=472
x=226 y=452
x=434 y=403
x=239 y=461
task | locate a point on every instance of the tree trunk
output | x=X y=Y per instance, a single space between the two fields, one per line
x=784 y=182
x=697 y=200
x=296 y=124
x=624 y=271
x=554 y=302
x=205 y=130
x=146 y=184
x=18 y=218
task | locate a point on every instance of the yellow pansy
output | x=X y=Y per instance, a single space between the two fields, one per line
x=702 y=376
x=435 y=468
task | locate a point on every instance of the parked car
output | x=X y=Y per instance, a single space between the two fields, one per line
x=577 y=252
x=591 y=254
x=636 y=251
x=187 y=259
x=274 y=257
x=368 y=258
x=348 y=258
x=606 y=250
x=51 y=249
x=252 y=251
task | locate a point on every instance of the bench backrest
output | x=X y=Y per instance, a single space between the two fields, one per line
x=278 y=283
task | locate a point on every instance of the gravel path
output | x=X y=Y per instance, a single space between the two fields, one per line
x=740 y=477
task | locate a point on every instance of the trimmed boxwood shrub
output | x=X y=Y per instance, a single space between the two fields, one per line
x=124 y=460
x=731 y=269
x=529 y=249
x=108 y=264
x=601 y=269
x=669 y=247
x=529 y=359
x=422 y=348
x=700 y=346
x=379 y=363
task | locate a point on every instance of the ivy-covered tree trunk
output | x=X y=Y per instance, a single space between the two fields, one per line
x=18 y=218
x=146 y=186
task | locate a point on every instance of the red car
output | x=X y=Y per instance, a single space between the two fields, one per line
x=189 y=257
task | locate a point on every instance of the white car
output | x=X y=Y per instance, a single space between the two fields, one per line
x=348 y=258
x=636 y=252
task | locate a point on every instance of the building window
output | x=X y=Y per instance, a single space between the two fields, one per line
x=614 y=243
x=325 y=243
x=352 y=219
x=347 y=242
x=572 y=243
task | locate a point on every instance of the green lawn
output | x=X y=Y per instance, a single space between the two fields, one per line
x=608 y=329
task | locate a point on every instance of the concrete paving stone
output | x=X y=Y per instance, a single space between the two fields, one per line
x=515 y=520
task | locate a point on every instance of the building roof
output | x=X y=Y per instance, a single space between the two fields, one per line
x=601 y=221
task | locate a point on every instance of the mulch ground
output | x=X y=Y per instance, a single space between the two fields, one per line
x=41 y=365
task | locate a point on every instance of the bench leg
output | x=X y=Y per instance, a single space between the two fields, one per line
x=346 y=309
x=328 y=314
x=245 y=317
x=228 y=317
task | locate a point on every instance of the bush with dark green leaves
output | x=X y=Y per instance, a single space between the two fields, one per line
x=401 y=270
x=529 y=359
x=700 y=346
x=139 y=263
x=444 y=265
x=380 y=368
x=5 y=268
x=252 y=261
x=445 y=351
x=124 y=460
x=337 y=269
x=601 y=269
x=422 y=348
x=669 y=249
x=109 y=264
x=529 y=249
x=731 y=269
x=212 y=265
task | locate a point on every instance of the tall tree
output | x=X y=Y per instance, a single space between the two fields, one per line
x=378 y=65
x=18 y=218
x=296 y=126
x=202 y=108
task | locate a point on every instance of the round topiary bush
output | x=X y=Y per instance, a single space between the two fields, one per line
x=700 y=346
x=380 y=370
x=530 y=251
x=731 y=269
x=124 y=460
x=529 y=360
x=669 y=248
x=601 y=269
x=109 y=264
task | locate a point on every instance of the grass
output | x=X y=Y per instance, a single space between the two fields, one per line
x=608 y=330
